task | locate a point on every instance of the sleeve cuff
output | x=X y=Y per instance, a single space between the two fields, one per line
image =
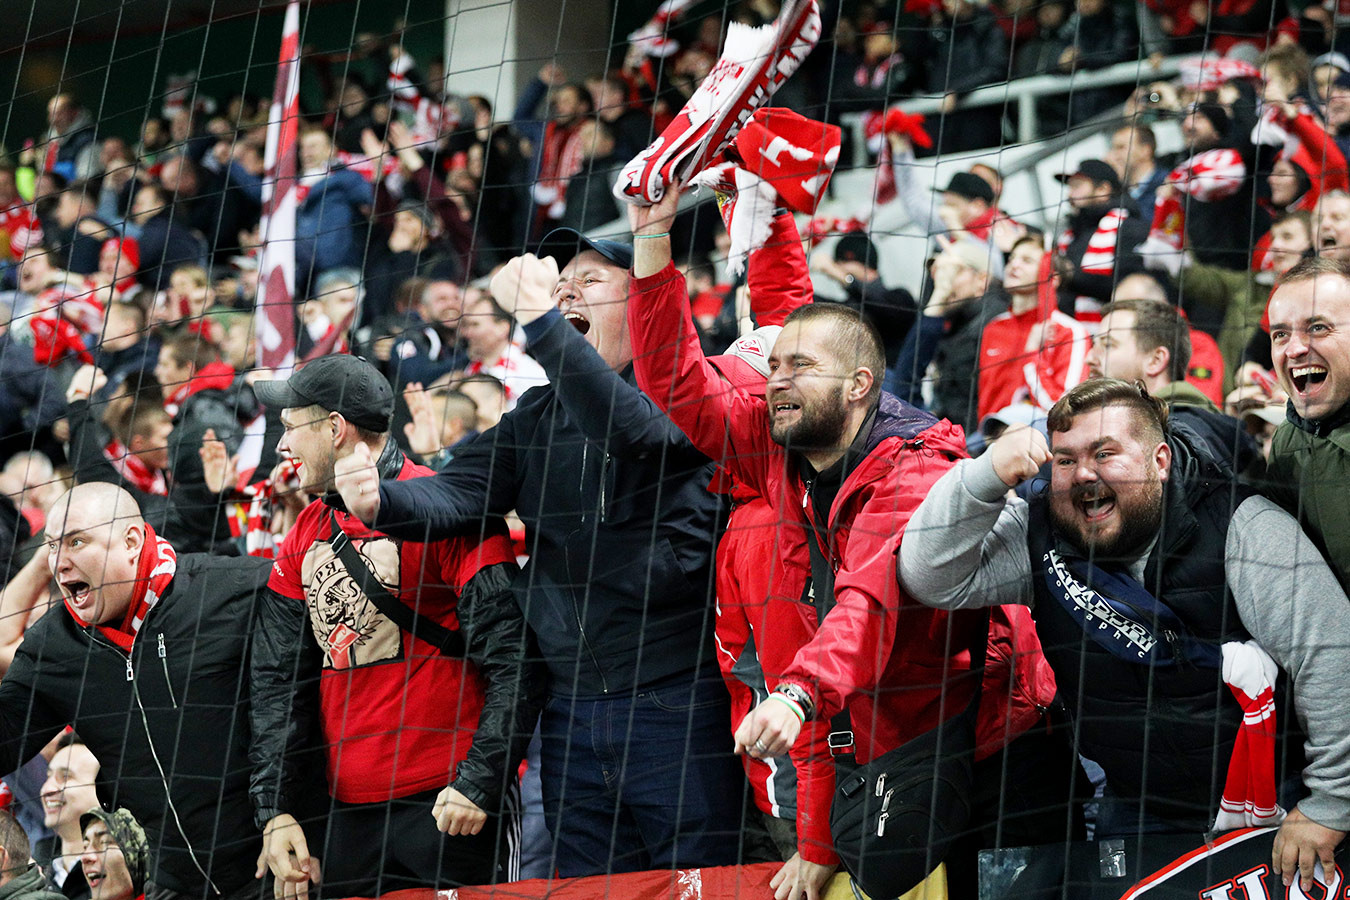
x=648 y=282
x=535 y=330
x=981 y=481
x=1327 y=811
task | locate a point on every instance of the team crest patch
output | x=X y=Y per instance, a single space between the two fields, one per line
x=348 y=627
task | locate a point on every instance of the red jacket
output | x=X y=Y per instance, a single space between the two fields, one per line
x=1034 y=356
x=889 y=660
x=761 y=624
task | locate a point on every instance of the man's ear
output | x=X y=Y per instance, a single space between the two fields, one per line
x=135 y=540
x=1158 y=362
x=860 y=384
x=1162 y=458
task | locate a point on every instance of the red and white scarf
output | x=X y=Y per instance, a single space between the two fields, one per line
x=1249 y=791
x=132 y=468
x=250 y=516
x=653 y=37
x=754 y=62
x=154 y=574
x=778 y=158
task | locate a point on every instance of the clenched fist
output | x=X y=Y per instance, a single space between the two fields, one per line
x=359 y=483
x=1018 y=454
x=524 y=286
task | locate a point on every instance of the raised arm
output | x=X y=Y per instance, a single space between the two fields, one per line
x=725 y=424
x=966 y=544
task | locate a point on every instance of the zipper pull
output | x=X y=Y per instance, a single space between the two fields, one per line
x=163 y=654
x=131 y=675
x=881 y=824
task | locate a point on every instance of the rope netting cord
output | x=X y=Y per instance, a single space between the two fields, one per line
x=691 y=449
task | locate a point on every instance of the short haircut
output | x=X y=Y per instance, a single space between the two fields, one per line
x=193 y=271
x=138 y=418
x=851 y=337
x=14 y=840
x=1312 y=268
x=1299 y=215
x=1149 y=413
x=1141 y=136
x=191 y=349
x=1289 y=60
x=458 y=407
x=133 y=309
x=69 y=739
x=1029 y=238
x=1158 y=324
x=478 y=378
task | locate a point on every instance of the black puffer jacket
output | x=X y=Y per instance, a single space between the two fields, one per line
x=619 y=523
x=169 y=724
x=286 y=671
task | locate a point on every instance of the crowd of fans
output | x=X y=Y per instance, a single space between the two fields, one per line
x=345 y=646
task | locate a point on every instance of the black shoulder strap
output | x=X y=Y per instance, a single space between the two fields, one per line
x=450 y=643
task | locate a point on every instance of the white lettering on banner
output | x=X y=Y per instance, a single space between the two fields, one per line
x=1326 y=889
x=1218 y=892
x=1253 y=883
x=1094 y=607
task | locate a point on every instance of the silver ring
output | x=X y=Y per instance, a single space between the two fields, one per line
x=760 y=746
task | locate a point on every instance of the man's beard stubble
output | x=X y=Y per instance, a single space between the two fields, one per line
x=819 y=427
x=1140 y=518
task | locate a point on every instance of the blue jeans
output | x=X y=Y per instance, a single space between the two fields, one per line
x=645 y=781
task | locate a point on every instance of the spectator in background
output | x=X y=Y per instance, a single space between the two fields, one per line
x=1149 y=341
x=1222 y=217
x=853 y=266
x=126 y=346
x=965 y=299
x=431 y=346
x=69 y=146
x=1133 y=156
x=116 y=854
x=78 y=234
x=216 y=203
x=965 y=49
x=414 y=250
x=589 y=201
x=30 y=393
x=1100 y=33
x=441 y=419
x=1032 y=353
x=487 y=393
x=631 y=128
x=327 y=318
x=67 y=794
x=558 y=150
x=487 y=331
x=19 y=226
x=166 y=241
x=1040 y=52
x=20 y=877
x=1099 y=240
x=333 y=205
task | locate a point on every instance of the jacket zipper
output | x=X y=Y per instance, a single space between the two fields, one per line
x=567 y=554
x=154 y=755
x=164 y=661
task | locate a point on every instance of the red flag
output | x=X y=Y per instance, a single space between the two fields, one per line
x=276 y=269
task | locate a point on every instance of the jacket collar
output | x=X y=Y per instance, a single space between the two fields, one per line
x=1319 y=427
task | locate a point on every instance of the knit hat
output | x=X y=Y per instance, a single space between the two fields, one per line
x=856 y=247
x=130 y=838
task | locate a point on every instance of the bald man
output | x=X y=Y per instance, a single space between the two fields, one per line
x=145 y=663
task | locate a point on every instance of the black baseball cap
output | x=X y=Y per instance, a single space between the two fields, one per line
x=339 y=383
x=1094 y=169
x=856 y=247
x=564 y=243
x=970 y=186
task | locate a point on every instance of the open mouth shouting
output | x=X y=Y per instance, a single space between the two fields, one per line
x=1095 y=503
x=577 y=320
x=78 y=592
x=1307 y=377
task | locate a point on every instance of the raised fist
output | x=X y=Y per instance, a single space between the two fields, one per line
x=524 y=286
x=1018 y=454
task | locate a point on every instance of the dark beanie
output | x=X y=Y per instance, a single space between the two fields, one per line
x=1217 y=115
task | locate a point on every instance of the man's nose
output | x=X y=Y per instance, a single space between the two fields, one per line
x=1297 y=344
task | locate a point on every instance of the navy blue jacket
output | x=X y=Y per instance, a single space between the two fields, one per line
x=619 y=523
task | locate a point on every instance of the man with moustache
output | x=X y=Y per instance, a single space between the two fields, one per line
x=843 y=464
x=1133 y=513
x=1310 y=452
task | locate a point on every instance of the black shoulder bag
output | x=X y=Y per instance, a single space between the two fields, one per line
x=450 y=643
x=894 y=819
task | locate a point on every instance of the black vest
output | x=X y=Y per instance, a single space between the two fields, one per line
x=1163 y=733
